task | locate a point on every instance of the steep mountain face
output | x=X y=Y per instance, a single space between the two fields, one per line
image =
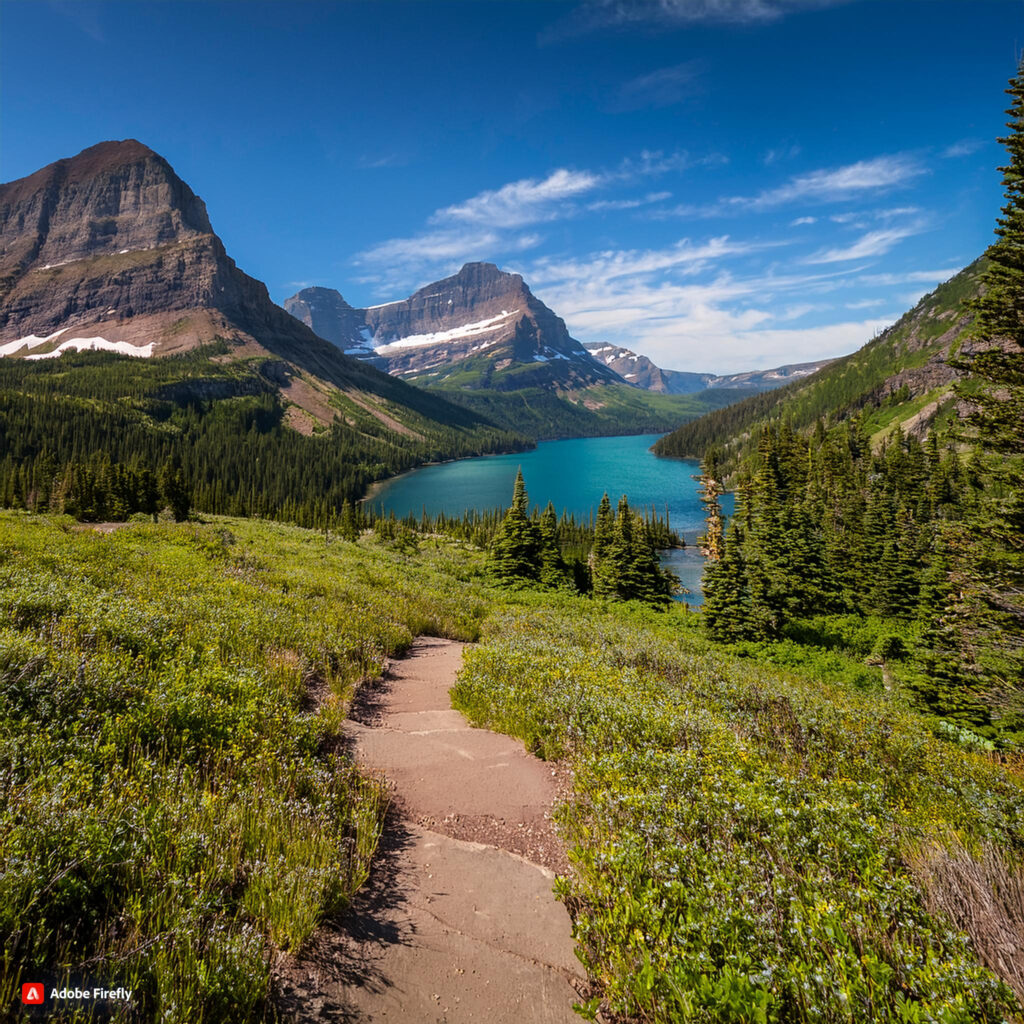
x=901 y=379
x=640 y=371
x=111 y=250
x=480 y=328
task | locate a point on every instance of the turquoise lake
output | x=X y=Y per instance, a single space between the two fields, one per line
x=573 y=475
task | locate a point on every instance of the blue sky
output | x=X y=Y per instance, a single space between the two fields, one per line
x=718 y=184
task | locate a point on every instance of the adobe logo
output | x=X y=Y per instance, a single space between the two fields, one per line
x=32 y=992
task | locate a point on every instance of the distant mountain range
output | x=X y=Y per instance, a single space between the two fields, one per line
x=641 y=372
x=484 y=328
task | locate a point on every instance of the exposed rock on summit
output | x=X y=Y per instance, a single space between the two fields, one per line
x=482 y=327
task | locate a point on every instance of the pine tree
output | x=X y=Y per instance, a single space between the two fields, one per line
x=552 y=566
x=986 y=613
x=515 y=548
x=726 y=610
x=174 y=491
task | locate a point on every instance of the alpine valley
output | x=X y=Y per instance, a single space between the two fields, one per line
x=110 y=254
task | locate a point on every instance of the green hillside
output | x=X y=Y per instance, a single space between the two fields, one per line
x=600 y=410
x=86 y=421
x=901 y=378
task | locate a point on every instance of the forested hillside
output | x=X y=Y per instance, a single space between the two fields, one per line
x=597 y=411
x=855 y=517
x=903 y=378
x=91 y=434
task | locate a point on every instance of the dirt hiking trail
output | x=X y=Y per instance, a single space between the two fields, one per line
x=458 y=922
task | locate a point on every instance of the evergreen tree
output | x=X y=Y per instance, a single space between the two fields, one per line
x=726 y=611
x=985 y=616
x=552 y=566
x=174 y=491
x=515 y=548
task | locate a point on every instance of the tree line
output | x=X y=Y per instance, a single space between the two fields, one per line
x=89 y=433
x=927 y=534
x=621 y=564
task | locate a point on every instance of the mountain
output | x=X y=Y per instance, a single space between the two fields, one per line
x=641 y=372
x=480 y=328
x=110 y=254
x=900 y=379
x=110 y=250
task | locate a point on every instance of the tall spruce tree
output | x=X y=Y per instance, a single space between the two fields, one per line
x=985 y=618
x=553 y=571
x=515 y=548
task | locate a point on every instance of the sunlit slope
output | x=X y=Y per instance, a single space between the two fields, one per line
x=902 y=377
x=749 y=842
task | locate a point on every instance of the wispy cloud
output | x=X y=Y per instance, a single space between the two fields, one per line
x=800 y=221
x=662 y=88
x=488 y=225
x=883 y=172
x=595 y=15
x=600 y=268
x=836 y=184
x=445 y=245
x=385 y=160
x=965 y=147
x=602 y=205
x=780 y=154
x=528 y=201
x=688 y=306
x=911 y=277
x=873 y=243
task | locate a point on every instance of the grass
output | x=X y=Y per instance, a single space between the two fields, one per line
x=175 y=805
x=756 y=835
x=747 y=838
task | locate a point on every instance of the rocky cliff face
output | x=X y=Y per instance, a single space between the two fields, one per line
x=111 y=250
x=482 y=327
x=91 y=243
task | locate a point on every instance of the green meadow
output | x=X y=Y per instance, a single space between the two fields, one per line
x=782 y=840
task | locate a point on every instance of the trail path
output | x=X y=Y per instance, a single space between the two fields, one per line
x=450 y=929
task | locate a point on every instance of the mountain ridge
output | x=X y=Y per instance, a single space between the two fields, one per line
x=111 y=250
x=901 y=379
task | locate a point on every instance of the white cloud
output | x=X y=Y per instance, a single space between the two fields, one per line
x=685 y=308
x=882 y=172
x=965 y=147
x=596 y=15
x=827 y=185
x=599 y=268
x=865 y=303
x=910 y=277
x=602 y=205
x=874 y=243
x=521 y=202
x=803 y=220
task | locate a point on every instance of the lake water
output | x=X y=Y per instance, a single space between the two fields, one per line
x=573 y=475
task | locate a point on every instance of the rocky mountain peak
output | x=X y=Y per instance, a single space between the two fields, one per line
x=110 y=198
